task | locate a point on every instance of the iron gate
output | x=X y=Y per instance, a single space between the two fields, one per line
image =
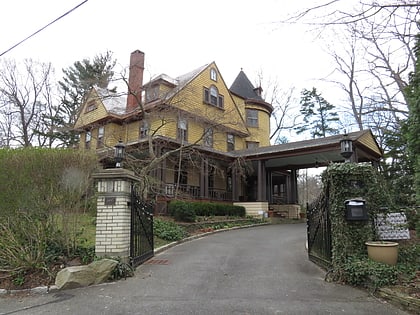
x=141 y=244
x=319 y=231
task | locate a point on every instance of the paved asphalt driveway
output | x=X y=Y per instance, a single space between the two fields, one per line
x=261 y=270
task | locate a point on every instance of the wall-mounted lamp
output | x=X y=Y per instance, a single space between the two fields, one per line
x=119 y=153
x=346 y=148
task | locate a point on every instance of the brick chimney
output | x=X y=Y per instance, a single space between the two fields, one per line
x=135 y=80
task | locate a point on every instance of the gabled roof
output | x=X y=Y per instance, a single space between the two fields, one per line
x=244 y=88
x=114 y=102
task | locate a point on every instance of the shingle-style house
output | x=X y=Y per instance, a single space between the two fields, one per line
x=204 y=140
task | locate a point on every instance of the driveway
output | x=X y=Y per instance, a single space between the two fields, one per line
x=261 y=270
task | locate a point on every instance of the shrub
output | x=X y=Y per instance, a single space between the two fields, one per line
x=369 y=273
x=167 y=230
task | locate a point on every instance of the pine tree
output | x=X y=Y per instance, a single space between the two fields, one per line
x=318 y=115
x=77 y=81
x=413 y=122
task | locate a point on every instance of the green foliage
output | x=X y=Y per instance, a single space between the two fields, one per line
x=182 y=211
x=42 y=194
x=368 y=273
x=185 y=211
x=77 y=81
x=24 y=242
x=412 y=132
x=318 y=115
x=167 y=230
x=122 y=271
x=362 y=271
x=346 y=181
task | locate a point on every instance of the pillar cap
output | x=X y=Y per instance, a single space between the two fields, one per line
x=115 y=173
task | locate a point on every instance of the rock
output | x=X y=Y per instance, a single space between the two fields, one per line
x=103 y=269
x=74 y=277
x=83 y=276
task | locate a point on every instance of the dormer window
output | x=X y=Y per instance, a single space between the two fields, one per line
x=213 y=74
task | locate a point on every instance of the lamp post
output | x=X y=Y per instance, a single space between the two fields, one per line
x=119 y=153
x=346 y=148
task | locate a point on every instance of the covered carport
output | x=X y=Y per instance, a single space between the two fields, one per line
x=273 y=182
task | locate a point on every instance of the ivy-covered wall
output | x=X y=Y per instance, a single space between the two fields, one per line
x=349 y=181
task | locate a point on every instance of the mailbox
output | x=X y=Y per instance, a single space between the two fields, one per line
x=356 y=210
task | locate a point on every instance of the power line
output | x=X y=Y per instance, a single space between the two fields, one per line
x=41 y=29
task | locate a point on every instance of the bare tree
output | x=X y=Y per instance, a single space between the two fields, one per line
x=373 y=53
x=25 y=93
x=285 y=107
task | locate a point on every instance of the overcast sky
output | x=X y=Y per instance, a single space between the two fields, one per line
x=176 y=36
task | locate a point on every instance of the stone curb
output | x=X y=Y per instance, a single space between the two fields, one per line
x=36 y=290
x=405 y=301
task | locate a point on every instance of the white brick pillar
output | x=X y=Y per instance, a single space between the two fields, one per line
x=113 y=218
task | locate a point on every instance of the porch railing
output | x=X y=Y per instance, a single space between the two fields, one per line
x=194 y=192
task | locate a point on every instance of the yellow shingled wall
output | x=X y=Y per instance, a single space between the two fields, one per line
x=86 y=118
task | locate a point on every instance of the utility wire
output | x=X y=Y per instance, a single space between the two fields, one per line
x=41 y=29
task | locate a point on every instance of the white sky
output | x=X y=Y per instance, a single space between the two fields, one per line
x=176 y=36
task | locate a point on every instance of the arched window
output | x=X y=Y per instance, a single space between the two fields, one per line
x=212 y=97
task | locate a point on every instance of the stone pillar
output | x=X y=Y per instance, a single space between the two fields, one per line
x=113 y=218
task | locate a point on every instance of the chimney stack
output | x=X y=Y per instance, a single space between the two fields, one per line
x=135 y=80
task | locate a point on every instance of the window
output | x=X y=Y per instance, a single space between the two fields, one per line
x=91 y=106
x=152 y=93
x=88 y=139
x=252 y=117
x=212 y=97
x=252 y=144
x=101 y=133
x=230 y=142
x=182 y=129
x=144 y=129
x=213 y=74
x=208 y=137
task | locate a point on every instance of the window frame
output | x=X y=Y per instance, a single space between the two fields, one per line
x=143 y=129
x=212 y=97
x=88 y=139
x=251 y=120
x=182 y=129
x=91 y=106
x=230 y=140
x=213 y=74
x=101 y=136
x=252 y=144
x=208 y=137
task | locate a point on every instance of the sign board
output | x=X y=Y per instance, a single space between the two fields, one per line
x=392 y=226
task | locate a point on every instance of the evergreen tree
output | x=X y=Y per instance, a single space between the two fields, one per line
x=318 y=115
x=413 y=122
x=77 y=81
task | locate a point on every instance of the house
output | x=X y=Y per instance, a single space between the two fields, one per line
x=193 y=137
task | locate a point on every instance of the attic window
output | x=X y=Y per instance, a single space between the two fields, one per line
x=213 y=74
x=91 y=106
x=212 y=97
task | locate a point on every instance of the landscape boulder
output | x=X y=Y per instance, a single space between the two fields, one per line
x=83 y=276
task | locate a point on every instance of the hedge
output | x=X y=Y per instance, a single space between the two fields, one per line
x=187 y=211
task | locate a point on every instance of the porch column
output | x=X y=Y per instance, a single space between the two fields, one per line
x=293 y=187
x=234 y=185
x=261 y=182
x=204 y=179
